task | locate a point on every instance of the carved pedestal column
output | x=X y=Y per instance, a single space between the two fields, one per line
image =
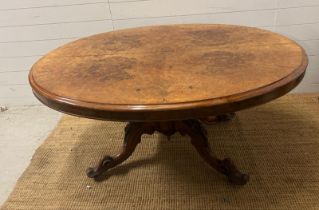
x=192 y=128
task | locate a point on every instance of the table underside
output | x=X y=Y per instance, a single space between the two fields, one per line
x=193 y=128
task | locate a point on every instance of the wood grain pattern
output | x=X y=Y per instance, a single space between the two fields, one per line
x=184 y=71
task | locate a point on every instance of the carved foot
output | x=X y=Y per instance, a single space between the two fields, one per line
x=199 y=140
x=233 y=174
x=106 y=163
x=219 y=118
x=133 y=133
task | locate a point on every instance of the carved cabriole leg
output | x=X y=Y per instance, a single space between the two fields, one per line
x=198 y=135
x=218 y=118
x=192 y=128
x=133 y=134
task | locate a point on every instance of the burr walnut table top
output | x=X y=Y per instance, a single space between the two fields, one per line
x=168 y=72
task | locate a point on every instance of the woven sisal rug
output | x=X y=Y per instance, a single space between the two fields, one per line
x=277 y=144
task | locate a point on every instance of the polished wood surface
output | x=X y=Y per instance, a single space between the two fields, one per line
x=168 y=72
x=171 y=78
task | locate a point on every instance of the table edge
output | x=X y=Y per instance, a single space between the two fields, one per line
x=174 y=111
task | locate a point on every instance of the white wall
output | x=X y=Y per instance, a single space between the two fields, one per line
x=31 y=28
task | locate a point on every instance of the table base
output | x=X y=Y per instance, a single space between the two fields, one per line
x=192 y=128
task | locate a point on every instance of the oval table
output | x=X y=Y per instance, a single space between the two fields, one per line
x=169 y=79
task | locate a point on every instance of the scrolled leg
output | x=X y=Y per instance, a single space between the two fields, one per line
x=193 y=128
x=199 y=140
x=133 y=134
